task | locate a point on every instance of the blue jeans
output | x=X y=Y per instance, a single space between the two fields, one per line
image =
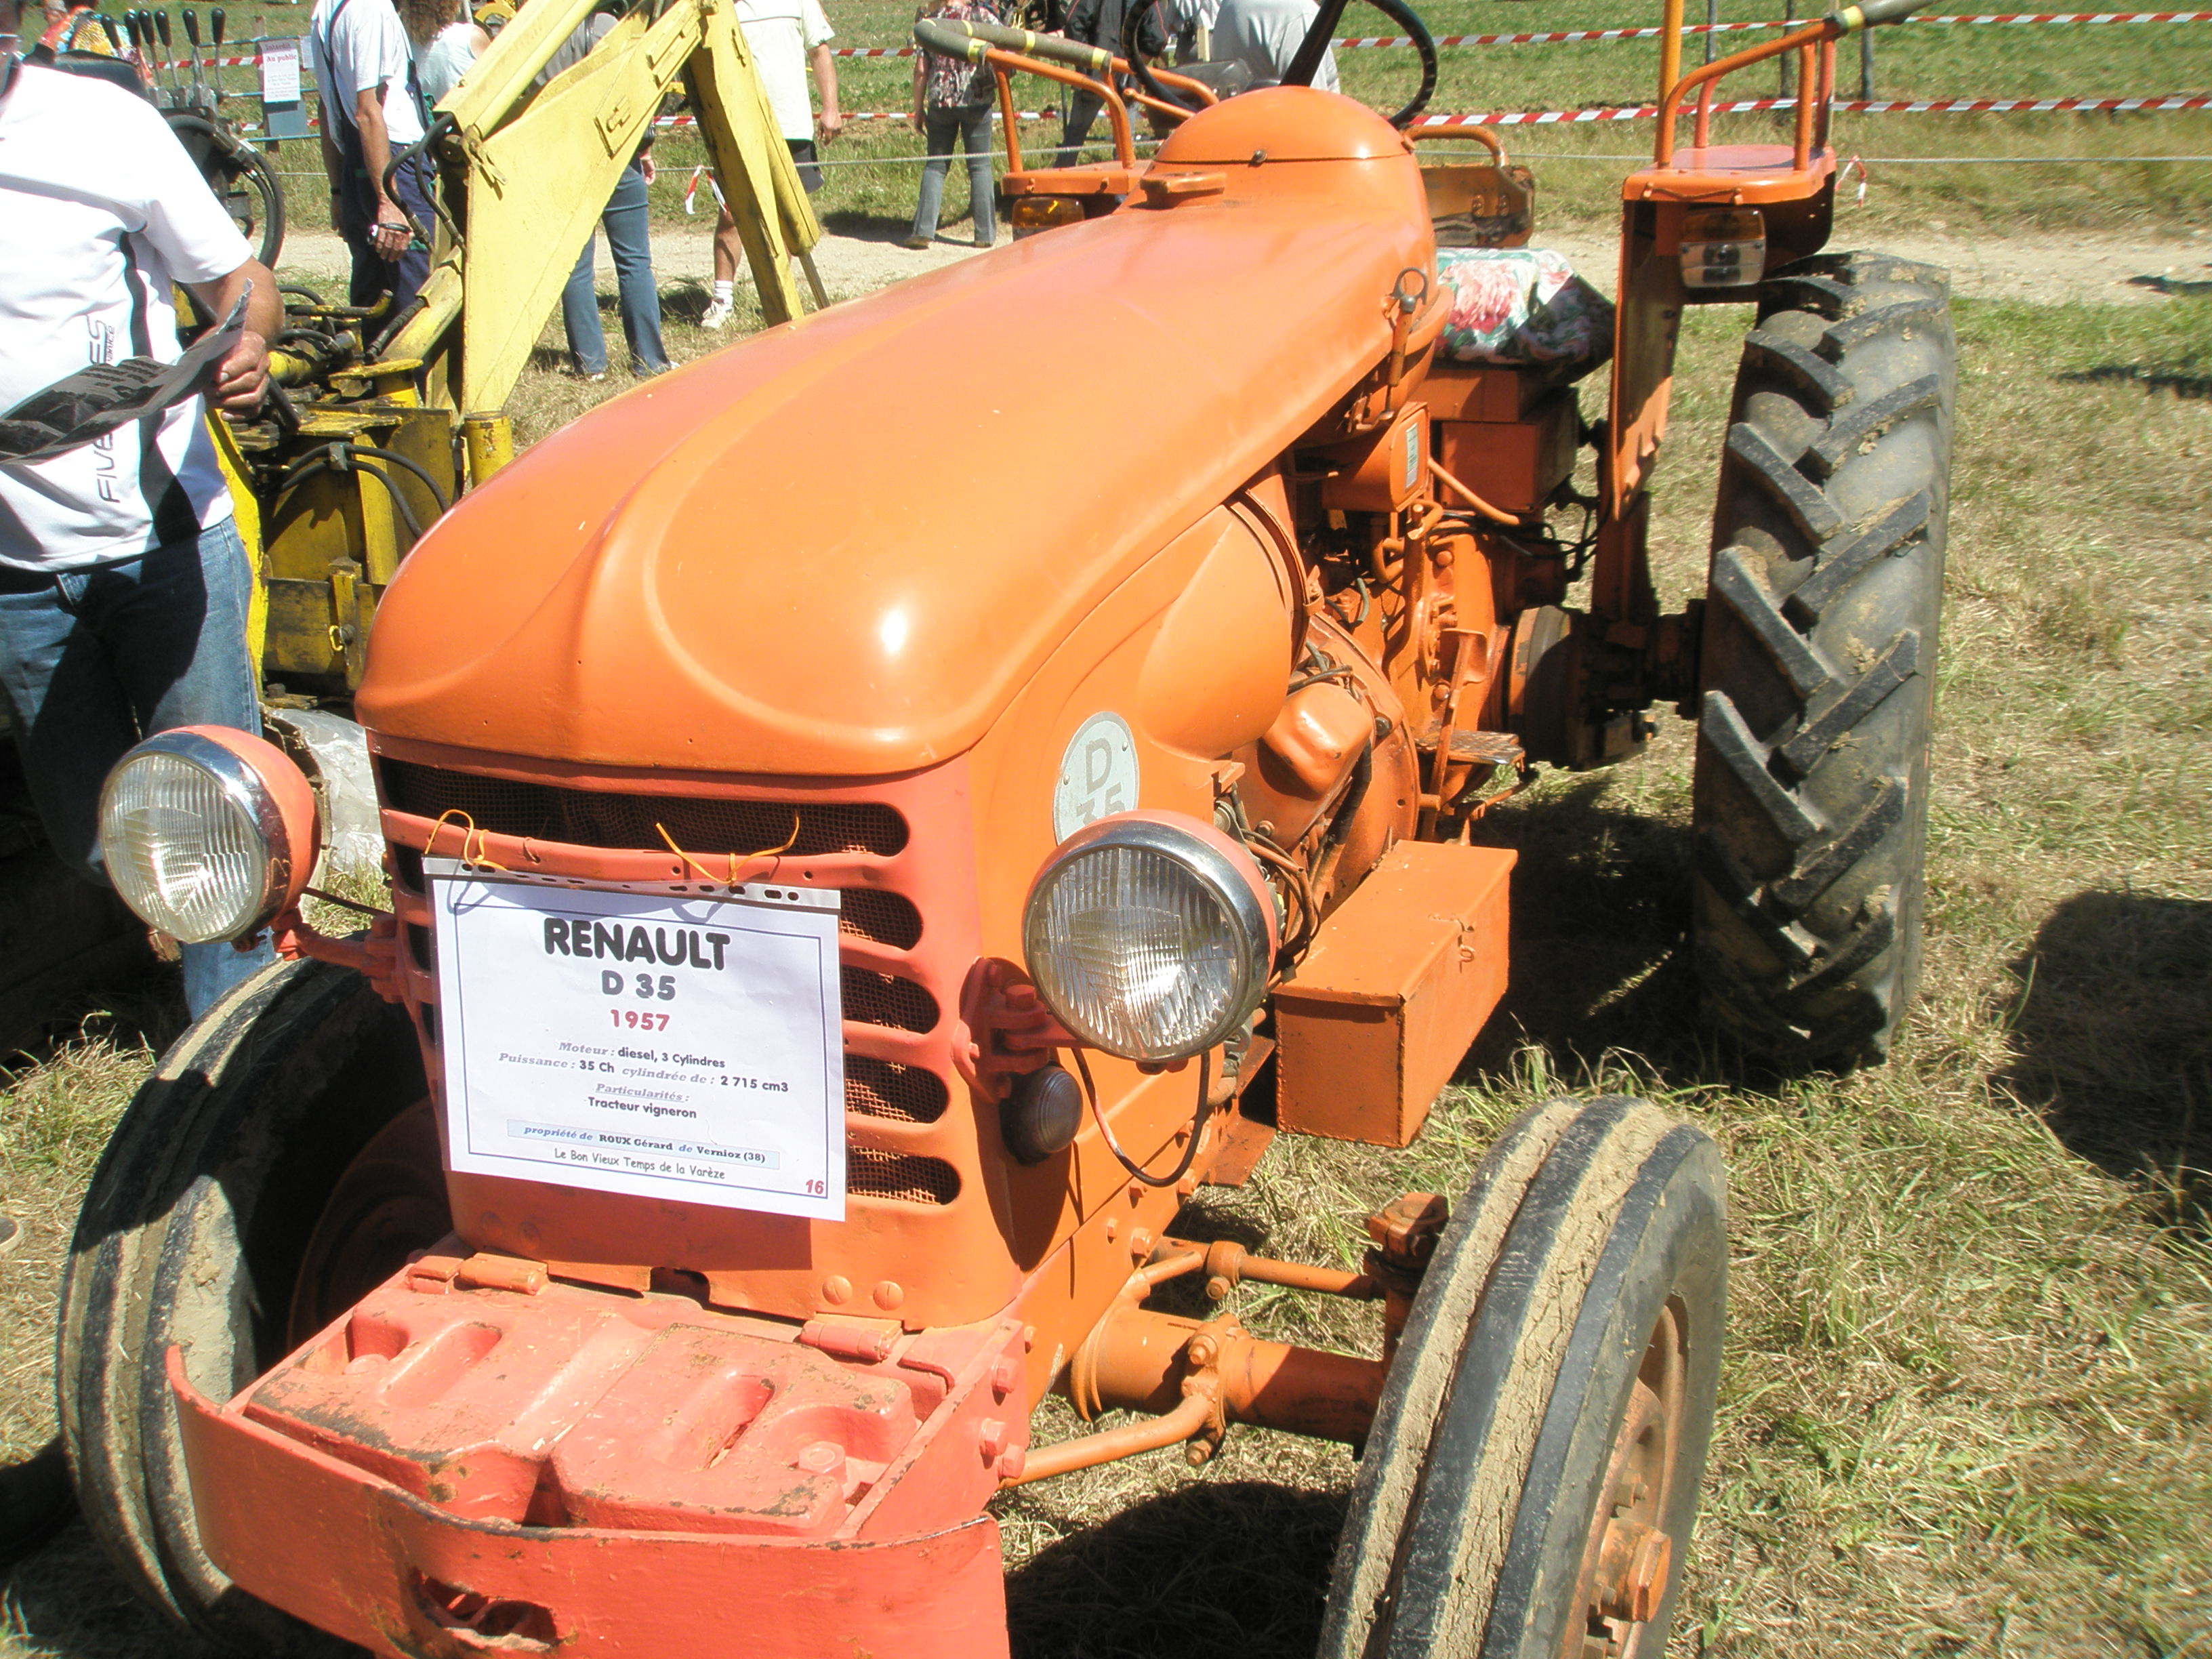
x=629 y=241
x=93 y=661
x=973 y=126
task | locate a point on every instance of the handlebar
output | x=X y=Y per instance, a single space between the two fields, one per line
x=1875 y=12
x=969 y=41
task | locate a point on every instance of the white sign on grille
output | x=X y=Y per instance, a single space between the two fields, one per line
x=647 y=1041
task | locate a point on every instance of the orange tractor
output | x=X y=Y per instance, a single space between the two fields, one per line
x=850 y=888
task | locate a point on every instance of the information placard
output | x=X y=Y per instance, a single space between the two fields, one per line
x=658 y=1043
x=280 y=72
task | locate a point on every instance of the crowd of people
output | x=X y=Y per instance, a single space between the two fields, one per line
x=390 y=62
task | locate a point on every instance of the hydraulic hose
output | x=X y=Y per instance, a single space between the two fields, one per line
x=324 y=461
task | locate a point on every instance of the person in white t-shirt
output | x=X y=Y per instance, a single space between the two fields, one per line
x=785 y=37
x=363 y=65
x=446 y=42
x=1265 y=35
x=123 y=586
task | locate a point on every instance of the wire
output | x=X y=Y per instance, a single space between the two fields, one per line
x=1197 y=1122
x=347 y=903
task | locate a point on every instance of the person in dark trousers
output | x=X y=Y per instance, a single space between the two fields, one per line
x=124 y=584
x=1098 y=23
x=362 y=62
x=953 y=98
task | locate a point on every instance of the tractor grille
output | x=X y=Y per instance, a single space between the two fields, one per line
x=589 y=817
x=872 y=1174
x=884 y=1088
x=878 y=919
x=868 y=913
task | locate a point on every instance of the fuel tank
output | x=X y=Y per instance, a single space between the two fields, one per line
x=842 y=548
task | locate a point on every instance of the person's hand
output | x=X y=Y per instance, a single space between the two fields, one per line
x=391 y=233
x=645 y=166
x=830 y=122
x=915 y=120
x=243 y=379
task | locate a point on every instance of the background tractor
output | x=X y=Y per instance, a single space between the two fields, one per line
x=845 y=899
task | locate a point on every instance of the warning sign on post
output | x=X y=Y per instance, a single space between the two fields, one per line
x=660 y=1044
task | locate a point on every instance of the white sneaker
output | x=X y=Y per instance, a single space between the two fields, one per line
x=716 y=315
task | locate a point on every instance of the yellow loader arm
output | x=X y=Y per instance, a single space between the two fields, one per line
x=523 y=176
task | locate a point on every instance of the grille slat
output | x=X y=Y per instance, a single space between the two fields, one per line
x=870 y=912
x=872 y=1174
x=589 y=817
x=872 y=998
x=884 y=1088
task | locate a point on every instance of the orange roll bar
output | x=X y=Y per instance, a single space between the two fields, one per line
x=1825 y=30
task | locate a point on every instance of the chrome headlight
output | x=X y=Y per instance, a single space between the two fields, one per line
x=207 y=832
x=1150 y=935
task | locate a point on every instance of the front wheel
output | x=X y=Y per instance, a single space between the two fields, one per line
x=280 y=1162
x=1530 y=1485
x=1819 y=661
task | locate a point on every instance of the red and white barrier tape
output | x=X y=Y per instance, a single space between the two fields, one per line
x=1356 y=42
x=1543 y=118
x=1557 y=36
x=1845 y=105
x=1740 y=107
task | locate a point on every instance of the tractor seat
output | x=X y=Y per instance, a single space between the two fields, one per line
x=1737 y=174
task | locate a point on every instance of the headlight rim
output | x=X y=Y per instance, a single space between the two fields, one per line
x=1227 y=870
x=255 y=775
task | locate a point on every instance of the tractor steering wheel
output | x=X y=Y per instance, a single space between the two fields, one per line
x=1307 y=61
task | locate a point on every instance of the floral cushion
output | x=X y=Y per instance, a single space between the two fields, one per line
x=1521 y=305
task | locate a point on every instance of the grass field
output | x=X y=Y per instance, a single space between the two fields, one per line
x=2006 y=188
x=1968 y=1403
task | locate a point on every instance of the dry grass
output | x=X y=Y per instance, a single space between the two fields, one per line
x=1968 y=1404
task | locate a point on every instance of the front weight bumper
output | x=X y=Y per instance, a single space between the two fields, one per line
x=454 y=1469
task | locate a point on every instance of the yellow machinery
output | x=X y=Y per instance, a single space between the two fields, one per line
x=378 y=421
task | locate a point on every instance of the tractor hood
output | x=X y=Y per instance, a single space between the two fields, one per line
x=843 y=547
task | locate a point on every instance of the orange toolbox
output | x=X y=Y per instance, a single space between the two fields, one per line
x=1398 y=981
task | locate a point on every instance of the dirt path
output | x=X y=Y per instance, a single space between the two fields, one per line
x=2039 y=267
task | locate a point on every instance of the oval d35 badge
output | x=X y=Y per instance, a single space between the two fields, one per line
x=1097 y=774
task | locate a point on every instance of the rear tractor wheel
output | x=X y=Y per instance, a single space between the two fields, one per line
x=282 y=1161
x=1530 y=1484
x=1818 y=661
